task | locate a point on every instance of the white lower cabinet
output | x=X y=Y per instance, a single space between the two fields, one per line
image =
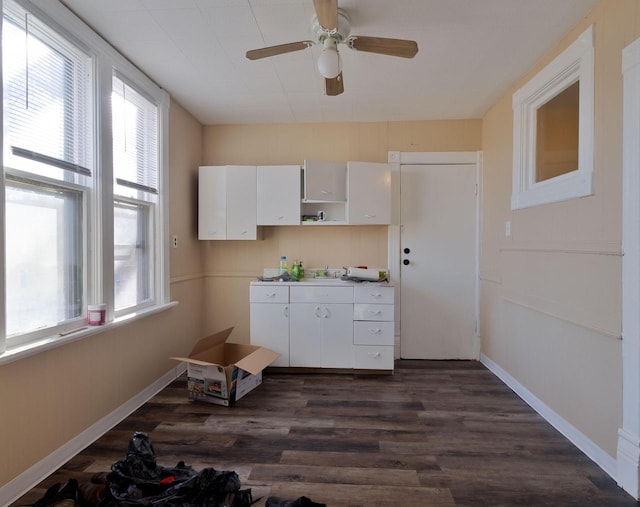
x=321 y=326
x=321 y=335
x=269 y=320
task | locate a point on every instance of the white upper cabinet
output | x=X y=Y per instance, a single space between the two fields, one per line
x=369 y=193
x=324 y=181
x=227 y=202
x=278 y=195
x=212 y=203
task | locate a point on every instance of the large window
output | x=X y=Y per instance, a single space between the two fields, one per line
x=135 y=168
x=84 y=201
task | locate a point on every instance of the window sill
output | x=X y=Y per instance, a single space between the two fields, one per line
x=52 y=342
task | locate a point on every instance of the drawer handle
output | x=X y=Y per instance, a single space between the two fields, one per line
x=369 y=216
x=317 y=311
x=375 y=331
x=375 y=312
x=374 y=354
x=244 y=232
x=285 y=311
x=326 y=313
x=280 y=217
x=375 y=294
x=270 y=294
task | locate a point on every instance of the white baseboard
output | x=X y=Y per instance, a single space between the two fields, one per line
x=579 y=439
x=17 y=487
x=629 y=463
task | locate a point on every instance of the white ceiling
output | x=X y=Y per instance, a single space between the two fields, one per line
x=470 y=53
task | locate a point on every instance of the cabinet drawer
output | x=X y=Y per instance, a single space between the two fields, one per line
x=373 y=294
x=372 y=333
x=312 y=294
x=373 y=357
x=268 y=294
x=363 y=311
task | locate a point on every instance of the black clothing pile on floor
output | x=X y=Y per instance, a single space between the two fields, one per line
x=137 y=480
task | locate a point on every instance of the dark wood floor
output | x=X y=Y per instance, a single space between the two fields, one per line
x=443 y=433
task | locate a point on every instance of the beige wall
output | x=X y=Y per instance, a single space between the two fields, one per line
x=50 y=398
x=231 y=265
x=551 y=294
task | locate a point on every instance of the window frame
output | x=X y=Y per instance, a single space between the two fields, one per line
x=99 y=202
x=575 y=63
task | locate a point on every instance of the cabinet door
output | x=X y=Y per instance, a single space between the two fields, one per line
x=337 y=336
x=269 y=327
x=212 y=202
x=241 y=202
x=305 y=335
x=369 y=193
x=324 y=181
x=278 y=195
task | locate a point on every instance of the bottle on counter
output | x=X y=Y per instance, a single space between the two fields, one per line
x=283 y=268
x=296 y=270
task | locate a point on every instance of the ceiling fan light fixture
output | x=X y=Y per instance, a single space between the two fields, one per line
x=329 y=63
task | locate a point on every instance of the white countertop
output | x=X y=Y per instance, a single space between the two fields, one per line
x=324 y=281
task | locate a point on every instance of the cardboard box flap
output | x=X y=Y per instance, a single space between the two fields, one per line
x=191 y=360
x=257 y=361
x=210 y=341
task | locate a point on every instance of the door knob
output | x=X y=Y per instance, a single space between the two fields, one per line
x=406 y=250
x=406 y=262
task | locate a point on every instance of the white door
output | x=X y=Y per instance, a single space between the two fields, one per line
x=278 y=195
x=241 y=202
x=305 y=334
x=337 y=336
x=269 y=327
x=438 y=261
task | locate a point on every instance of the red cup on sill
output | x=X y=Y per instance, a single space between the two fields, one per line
x=96 y=315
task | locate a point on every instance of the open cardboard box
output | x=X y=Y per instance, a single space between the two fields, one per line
x=222 y=373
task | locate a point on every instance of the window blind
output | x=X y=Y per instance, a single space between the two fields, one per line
x=47 y=94
x=135 y=138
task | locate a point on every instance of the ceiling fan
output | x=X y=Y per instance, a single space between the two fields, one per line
x=331 y=26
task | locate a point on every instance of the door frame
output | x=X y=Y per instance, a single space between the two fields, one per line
x=395 y=160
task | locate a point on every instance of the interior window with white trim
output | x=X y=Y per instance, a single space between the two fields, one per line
x=553 y=129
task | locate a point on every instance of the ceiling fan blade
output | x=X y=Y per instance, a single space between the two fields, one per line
x=256 y=54
x=383 y=46
x=327 y=13
x=335 y=86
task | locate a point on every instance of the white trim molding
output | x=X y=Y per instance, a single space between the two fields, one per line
x=579 y=439
x=629 y=435
x=574 y=64
x=32 y=476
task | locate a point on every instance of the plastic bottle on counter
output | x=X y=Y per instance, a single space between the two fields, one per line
x=296 y=270
x=283 y=265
